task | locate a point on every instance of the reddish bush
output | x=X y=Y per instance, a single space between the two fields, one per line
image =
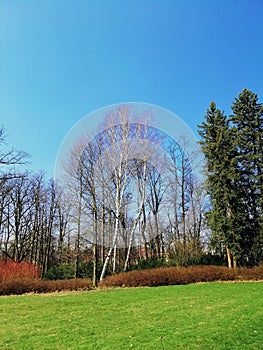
x=11 y=270
x=170 y=276
x=23 y=277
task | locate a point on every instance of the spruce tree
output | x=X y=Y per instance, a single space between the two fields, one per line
x=247 y=130
x=233 y=149
x=219 y=152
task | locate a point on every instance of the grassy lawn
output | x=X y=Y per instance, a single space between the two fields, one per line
x=197 y=316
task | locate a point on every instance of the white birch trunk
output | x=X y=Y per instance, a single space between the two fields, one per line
x=137 y=218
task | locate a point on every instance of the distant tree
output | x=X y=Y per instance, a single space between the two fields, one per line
x=74 y=190
x=156 y=192
x=185 y=214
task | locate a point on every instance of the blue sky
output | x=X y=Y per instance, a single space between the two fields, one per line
x=61 y=60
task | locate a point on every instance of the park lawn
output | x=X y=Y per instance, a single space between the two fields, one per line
x=198 y=316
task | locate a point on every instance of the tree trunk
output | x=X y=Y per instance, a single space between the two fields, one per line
x=228 y=257
x=95 y=249
x=116 y=231
x=234 y=262
x=132 y=236
x=95 y=265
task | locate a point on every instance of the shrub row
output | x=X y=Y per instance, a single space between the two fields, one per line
x=21 y=283
x=21 y=286
x=23 y=277
x=180 y=275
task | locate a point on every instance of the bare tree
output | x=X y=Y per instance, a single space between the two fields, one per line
x=74 y=180
x=186 y=200
x=156 y=192
x=9 y=158
x=141 y=181
x=117 y=157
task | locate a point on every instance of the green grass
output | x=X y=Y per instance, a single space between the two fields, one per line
x=197 y=316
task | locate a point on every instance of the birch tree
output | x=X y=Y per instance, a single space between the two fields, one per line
x=117 y=156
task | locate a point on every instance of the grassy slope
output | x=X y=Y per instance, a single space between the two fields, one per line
x=198 y=316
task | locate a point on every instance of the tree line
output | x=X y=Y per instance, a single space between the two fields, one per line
x=131 y=194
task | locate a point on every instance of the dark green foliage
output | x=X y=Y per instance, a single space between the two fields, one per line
x=61 y=272
x=247 y=127
x=86 y=269
x=220 y=166
x=233 y=150
x=150 y=263
x=208 y=259
x=67 y=271
x=202 y=259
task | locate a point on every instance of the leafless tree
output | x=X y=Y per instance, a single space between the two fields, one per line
x=9 y=158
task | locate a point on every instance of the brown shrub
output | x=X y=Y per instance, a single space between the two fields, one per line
x=21 y=286
x=170 y=276
x=16 y=286
x=23 y=277
x=140 y=278
x=254 y=273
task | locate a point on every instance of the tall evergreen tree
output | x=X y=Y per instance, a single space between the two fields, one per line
x=233 y=149
x=247 y=130
x=217 y=146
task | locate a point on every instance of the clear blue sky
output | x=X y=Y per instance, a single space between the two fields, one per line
x=61 y=60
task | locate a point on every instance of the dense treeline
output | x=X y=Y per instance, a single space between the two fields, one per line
x=32 y=220
x=132 y=194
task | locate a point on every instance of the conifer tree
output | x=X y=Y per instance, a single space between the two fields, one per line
x=219 y=153
x=233 y=149
x=247 y=129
